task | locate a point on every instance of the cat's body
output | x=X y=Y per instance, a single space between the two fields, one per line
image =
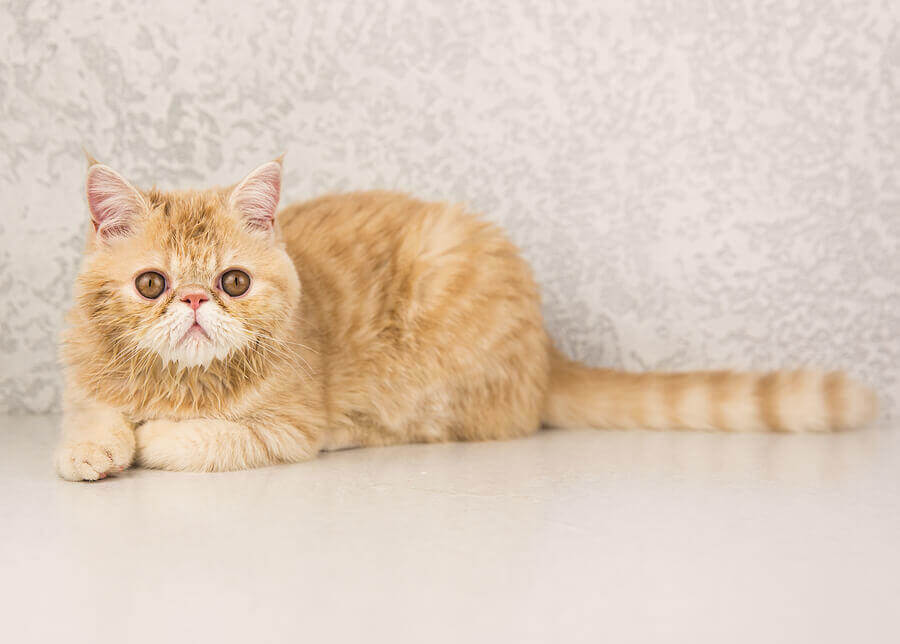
x=370 y=319
x=429 y=331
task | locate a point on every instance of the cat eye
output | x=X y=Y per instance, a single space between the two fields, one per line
x=235 y=282
x=150 y=284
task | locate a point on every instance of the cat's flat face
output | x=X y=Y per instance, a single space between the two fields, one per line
x=190 y=277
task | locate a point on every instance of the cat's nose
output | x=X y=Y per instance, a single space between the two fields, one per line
x=194 y=300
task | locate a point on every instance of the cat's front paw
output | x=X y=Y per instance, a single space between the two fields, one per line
x=88 y=460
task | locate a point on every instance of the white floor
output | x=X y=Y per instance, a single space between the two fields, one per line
x=570 y=536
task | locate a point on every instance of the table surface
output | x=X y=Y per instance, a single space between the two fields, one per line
x=568 y=536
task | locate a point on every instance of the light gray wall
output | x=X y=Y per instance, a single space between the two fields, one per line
x=696 y=183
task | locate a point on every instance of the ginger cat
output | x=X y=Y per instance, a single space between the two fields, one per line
x=210 y=334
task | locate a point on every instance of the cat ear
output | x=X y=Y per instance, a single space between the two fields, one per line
x=256 y=196
x=114 y=203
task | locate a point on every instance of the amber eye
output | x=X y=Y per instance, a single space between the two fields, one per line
x=150 y=284
x=235 y=282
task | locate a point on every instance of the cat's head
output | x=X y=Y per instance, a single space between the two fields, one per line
x=190 y=277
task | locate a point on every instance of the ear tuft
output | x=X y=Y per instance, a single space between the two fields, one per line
x=256 y=196
x=89 y=157
x=114 y=203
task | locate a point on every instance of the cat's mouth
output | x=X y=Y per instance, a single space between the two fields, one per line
x=195 y=332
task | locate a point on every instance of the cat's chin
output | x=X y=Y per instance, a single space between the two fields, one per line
x=195 y=350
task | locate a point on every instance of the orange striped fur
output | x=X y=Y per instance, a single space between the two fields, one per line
x=783 y=401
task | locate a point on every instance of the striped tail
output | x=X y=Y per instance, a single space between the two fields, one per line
x=781 y=401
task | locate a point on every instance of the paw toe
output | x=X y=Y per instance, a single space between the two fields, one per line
x=84 y=462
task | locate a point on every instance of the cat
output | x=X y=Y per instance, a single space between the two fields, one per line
x=209 y=333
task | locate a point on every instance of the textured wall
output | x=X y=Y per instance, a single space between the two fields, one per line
x=696 y=183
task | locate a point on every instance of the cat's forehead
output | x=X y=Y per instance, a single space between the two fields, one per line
x=193 y=224
x=188 y=211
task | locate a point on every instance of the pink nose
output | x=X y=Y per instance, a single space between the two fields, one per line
x=195 y=299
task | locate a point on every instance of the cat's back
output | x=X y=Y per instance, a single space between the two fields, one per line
x=334 y=216
x=369 y=237
x=369 y=222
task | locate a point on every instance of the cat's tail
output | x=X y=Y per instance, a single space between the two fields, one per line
x=781 y=401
